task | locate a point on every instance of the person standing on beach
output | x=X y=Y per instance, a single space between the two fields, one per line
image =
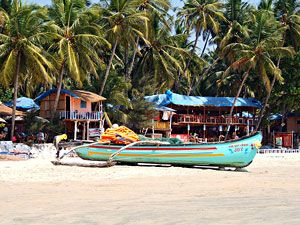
x=40 y=137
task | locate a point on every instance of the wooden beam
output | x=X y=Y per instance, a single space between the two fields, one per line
x=105 y=164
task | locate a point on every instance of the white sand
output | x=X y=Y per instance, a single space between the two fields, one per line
x=36 y=192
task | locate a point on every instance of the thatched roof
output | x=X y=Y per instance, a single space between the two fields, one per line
x=88 y=96
x=6 y=111
x=79 y=94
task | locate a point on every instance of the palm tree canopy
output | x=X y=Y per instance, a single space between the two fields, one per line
x=25 y=29
x=77 y=40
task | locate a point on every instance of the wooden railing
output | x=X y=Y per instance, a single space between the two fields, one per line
x=80 y=115
x=201 y=119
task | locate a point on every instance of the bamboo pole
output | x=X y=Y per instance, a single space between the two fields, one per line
x=135 y=143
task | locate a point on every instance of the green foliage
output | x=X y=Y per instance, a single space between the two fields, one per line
x=33 y=124
x=141 y=114
x=5 y=95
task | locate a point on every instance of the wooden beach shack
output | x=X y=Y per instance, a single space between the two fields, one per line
x=6 y=111
x=204 y=118
x=75 y=110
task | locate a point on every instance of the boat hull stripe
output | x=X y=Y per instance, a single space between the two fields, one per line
x=156 y=149
x=156 y=155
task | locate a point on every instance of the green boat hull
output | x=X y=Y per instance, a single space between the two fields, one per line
x=237 y=153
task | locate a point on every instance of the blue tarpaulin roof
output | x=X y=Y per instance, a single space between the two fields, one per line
x=23 y=103
x=177 y=99
x=164 y=108
x=276 y=116
x=45 y=94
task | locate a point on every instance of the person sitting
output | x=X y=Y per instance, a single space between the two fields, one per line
x=5 y=129
x=40 y=137
x=2 y=136
x=22 y=137
x=221 y=138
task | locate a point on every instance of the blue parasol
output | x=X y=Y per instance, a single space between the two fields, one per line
x=23 y=103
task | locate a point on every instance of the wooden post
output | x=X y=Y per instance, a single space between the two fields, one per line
x=248 y=128
x=88 y=128
x=292 y=139
x=236 y=115
x=171 y=123
x=188 y=132
x=274 y=141
x=75 y=130
x=152 y=125
x=84 y=130
x=204 y=115
x=235 y=128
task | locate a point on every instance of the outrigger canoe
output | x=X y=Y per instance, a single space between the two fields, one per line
x=232 y=153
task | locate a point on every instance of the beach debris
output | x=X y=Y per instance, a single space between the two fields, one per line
x=10 y=158
x=101 y=164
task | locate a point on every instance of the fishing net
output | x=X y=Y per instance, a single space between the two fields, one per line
x=170 y=140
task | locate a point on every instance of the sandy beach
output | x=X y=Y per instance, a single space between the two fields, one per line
x=36 y=192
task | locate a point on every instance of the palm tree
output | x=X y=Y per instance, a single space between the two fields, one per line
x=288 y=14
x=6 y=5
x=232 y=30
x=157 y=8
x=160 y=54
x=257 y=55
x=77 y=41
x=266 y=5
x=25 y=29
x=235 y=29
x=121 y=20
x=200 y=15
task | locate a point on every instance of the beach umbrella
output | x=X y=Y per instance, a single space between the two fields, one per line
x=23 y=103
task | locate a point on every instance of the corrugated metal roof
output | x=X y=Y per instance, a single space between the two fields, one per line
x=177 y=99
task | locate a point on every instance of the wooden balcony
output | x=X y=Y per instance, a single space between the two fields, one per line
x=220 y=120
x=80 y=115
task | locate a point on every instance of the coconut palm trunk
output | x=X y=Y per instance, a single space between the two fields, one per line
x=133 y=59
x=235 y=99
x=192 y=88
x=205 y=45
x=109 y=66
x=13 y=119
x=188 y=63
x=261 y=113
x=59 y=84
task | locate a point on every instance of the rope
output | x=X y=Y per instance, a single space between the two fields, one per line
x=72 y=149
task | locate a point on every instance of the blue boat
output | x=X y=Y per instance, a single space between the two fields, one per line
x=233 y=153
